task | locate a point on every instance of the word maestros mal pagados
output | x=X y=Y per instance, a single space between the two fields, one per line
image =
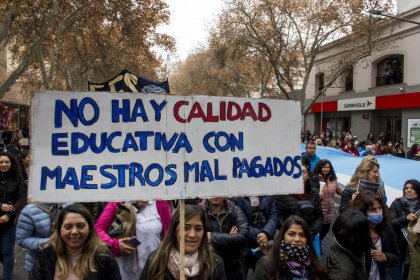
x=130 y=174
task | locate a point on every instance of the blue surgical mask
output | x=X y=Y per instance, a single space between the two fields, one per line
x=375 y=219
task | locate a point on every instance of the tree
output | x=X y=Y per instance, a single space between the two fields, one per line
x=61 y=44
x=285 y=38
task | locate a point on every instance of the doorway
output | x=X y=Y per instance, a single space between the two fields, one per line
x=391 y=126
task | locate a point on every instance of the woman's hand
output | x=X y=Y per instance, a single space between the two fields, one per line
x=378 y=256
x=411 y=217
x=233 y=230
x=125 y=249
x=262 y=239
x=4 y=219
x=7 y=207
x=353 y=197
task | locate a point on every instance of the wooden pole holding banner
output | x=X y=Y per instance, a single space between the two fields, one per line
x=181 y=239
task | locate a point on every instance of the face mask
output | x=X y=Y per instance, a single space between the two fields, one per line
x=375 y=219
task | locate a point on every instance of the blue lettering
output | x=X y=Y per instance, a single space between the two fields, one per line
x=268 y=167
x=206 y=172
x=136 y=170
x=95 y=107
x=71 y=113
x=190 y=167
x=172 y=173
x=296 y=160
x=86 y=177
x=130 y=143
x=216 y=171
x=121 y=173
x=52 y=174
x=139 y=111
x=110 y=176
x=56 y=144
x=160 y=140
x=123 y=112
x=256 y=168
x=93 y=142
x=75 y=137
x=150 y=169
x=70 y=179
x=142 y=135
x=286 y=162
x=182 y=143
x=158 y=108
x=206 y=144
x=109 y=142
x=236 y=165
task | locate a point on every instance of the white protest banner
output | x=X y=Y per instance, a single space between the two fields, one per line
x=114 y=147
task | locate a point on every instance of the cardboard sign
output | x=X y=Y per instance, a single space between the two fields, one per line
x=108 y=147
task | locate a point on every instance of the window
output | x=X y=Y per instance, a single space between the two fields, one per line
x=348 y=79
x=390 y=70
x=319 y=82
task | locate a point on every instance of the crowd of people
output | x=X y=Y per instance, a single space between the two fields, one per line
x=350 y=144
x=266 y=237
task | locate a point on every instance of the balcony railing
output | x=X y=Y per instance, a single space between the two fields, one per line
x=388 y=80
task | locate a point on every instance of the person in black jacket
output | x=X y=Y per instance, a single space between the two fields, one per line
x=384 y=251
x=12 y=193
x=345 y=259
x=261 y=214
x=228 y=232
x=292 y=256
x=200 y=262
x=402 y=211
x=74 y=250
x=306 y=205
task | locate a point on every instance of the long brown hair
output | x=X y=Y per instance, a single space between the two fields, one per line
x=92 y=246
x=316 y=271
x=158 y=260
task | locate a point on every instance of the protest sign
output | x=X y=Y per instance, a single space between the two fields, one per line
x=105 y=147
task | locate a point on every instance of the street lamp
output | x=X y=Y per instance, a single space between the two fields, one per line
x=381 y=13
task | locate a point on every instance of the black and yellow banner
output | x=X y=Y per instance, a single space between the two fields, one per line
x=128 y=82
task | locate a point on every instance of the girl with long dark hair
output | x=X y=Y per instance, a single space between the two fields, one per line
x=329 y=186
x=12 y=193
x=292 y=256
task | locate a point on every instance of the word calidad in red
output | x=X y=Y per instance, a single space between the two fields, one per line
x=224 y=111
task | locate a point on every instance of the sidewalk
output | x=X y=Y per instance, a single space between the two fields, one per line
x=19 y=272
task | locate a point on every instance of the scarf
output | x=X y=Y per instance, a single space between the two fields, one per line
x=410 y=205
x=192 y=266
x=295 y=259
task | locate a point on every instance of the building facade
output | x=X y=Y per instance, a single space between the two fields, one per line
x=380 y=93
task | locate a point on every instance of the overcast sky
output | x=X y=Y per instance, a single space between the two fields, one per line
x=189 y=19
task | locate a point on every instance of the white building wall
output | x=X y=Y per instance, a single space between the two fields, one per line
x=406 y=5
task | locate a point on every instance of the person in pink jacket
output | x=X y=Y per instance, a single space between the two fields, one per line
x=152 y=222
x=328 y=188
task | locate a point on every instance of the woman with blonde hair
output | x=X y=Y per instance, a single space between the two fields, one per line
x=74 y=250
x=367 y=170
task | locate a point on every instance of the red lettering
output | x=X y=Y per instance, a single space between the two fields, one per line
x=222 y=111
x=176 y=111
x=248 y=111
x=210 y=116
x=196 y=112
x=230 y=115
x=228 y=111
x=261 y=108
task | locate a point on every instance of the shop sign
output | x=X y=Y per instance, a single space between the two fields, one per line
x=356 y=104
